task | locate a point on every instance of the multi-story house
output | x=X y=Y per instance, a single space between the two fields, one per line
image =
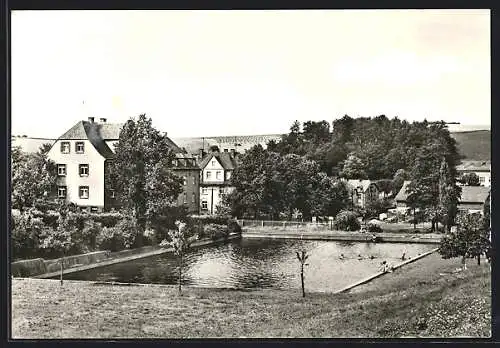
x=472 y=198
x=186 y=167
x=481 y=168
x=216 y=170
x=362 y=192
x=82 y=155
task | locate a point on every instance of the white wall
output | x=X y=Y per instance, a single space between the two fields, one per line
x=111 y=144
x=213 y=166
x=72 y=180
x=217 y=197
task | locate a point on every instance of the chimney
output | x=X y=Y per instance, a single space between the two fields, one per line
x=103 y=120
x=91 y=119
x=201 y=153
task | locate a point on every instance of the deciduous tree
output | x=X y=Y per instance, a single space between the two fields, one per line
x=470 y=240
x=140 y=172
x=34 y=177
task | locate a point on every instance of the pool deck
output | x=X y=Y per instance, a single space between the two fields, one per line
x=115 y=260
x=381 y=273
x=383 y=237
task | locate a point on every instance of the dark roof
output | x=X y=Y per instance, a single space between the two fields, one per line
x=474 y=194
x=98 y=133
x=227 y=161
x=475 y=166
x=402 y=194
x=470 y=194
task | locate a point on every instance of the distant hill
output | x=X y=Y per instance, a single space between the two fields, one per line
x=30 y=145
x=474 y=145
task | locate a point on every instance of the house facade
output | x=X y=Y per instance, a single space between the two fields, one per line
x=362 y=192
x=481 y=168
x=84 y=153
x=472 y=198
x=186 y=167
x=216 y=170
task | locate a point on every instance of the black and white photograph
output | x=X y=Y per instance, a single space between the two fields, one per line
x=195 y=174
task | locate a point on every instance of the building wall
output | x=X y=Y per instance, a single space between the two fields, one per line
x=212 y=196
x=111 y=144
x=213 y=167
x=370 y=195
x=190 y=195
x=484 y=177
x=72 y=180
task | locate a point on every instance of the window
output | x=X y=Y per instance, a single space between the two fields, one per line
x=194 y=180
x=218 y=174
x=61 y=191
x=193 y=197
x=79 y=147
x=213 y=163
x=228 y=175
x=61 y=169
x=184 y=181
x=112 y=193
x=204 y=191
x=225 y=150
x=185 y=198
x=84 y=169
x=65 y=147
x=481 y=179
x=93 y=209
x=209 y=174
x=204 y=205
x=83 y=192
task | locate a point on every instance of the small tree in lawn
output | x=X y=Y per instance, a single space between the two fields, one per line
x=180 y=242
x=302 y=257
x=470 y=240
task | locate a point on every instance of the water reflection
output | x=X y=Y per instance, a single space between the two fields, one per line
x=262 y=263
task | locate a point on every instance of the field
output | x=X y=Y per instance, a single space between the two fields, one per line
x=474 y=145
x=426 y=298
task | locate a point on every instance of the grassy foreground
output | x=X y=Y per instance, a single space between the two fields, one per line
x=425 y=299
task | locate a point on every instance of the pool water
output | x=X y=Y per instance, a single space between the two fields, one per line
x=262 y=263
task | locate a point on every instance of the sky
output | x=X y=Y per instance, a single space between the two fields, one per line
x=205 y=73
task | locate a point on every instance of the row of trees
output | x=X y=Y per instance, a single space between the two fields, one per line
x=365 y=147
x=301 y=172
x=274 y=185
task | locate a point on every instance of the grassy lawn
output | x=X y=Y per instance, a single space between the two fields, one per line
x=422 y=299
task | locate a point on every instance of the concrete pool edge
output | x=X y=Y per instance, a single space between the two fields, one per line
x=343 y=236
x=379 y=274
x=160 y=251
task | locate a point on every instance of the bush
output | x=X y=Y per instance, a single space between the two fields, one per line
x=109 y=219
x=91 y=230
x=346 y=221
x=210 y=219
x=122 y=236
x=233 y=226
x=216 y=231
x=374 y=228
x=26 y=232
